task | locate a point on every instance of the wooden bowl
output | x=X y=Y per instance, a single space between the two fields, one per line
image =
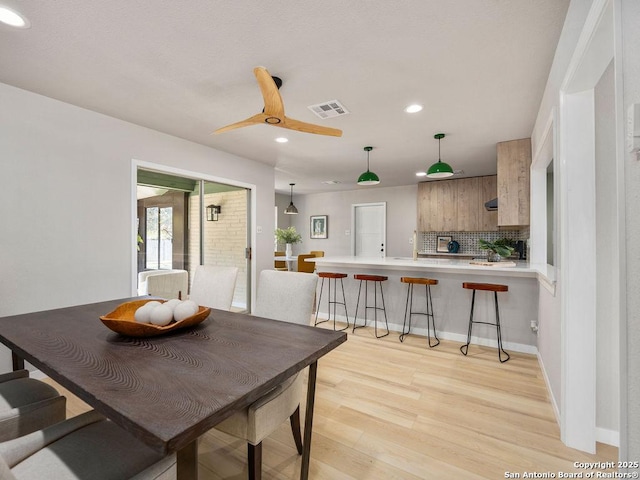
x=122 y=320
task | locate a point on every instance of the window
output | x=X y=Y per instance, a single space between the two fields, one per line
x=159 y=242
x=551 y=234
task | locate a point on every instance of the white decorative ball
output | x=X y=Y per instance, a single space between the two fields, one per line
x=142 y=314
x=184 y=310
x=172 y=303
x=161 y=315
x=194 y=306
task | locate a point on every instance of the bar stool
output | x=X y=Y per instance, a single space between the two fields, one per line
x=489 y=287
x=334 y=277
x=377 y=280
x=408 y=310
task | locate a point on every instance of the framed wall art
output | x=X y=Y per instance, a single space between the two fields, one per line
x=442 y=244
x=319 y=226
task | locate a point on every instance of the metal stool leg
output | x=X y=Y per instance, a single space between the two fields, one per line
x=500 y=349
x=465 y=348
x=431 y=318
x=335 y=302
x=375 y=303
x=407 y=311
x=355 y=317
x=346 y=314
x=316 y=322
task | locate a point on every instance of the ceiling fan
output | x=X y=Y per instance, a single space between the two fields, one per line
x=273 y=113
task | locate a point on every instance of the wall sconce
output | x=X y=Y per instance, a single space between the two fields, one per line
x=212 y=212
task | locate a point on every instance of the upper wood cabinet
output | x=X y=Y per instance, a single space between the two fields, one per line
x=457 y=205
x=468 y=200
x=514 y=162
x=488 y=190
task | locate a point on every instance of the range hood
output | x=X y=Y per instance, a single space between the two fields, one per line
x=491 y=205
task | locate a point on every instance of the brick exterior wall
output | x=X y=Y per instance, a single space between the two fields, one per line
x=225 y=240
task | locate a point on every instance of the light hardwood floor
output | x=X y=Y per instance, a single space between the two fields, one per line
x=391 y=410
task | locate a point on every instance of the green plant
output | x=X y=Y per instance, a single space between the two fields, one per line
x=140 y=240
x=502 y=246
x=288 y=235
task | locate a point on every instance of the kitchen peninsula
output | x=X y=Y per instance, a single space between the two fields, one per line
x=518 y=306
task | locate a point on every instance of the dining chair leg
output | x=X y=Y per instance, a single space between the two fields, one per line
x=294 y=419
x=255 y=461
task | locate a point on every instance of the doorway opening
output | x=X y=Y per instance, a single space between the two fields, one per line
x=175 y=234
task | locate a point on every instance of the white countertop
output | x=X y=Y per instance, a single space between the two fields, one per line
x=448 y=265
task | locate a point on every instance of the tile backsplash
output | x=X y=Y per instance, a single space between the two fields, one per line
x=468 y=240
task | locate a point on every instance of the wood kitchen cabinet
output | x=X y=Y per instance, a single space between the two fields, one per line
x=457 y=205
x=514 y=162
x=467 y=205
x=436 y=206
x=488 y=190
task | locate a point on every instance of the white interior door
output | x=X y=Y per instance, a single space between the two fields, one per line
x=369 y=222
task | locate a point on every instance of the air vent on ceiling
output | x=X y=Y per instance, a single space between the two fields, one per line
x=332 y=108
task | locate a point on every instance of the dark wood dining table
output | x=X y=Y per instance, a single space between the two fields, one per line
x=168 y=390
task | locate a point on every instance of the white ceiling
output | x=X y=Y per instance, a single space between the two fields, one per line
x=185 y=68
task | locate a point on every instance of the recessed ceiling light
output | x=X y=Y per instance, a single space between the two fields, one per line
x=413 y=108
x=330 y=182
x=421 y=174
x=13 y=18
x=282 y=140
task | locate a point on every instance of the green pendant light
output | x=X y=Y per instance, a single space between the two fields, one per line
x=368 y=177
x=439 y=169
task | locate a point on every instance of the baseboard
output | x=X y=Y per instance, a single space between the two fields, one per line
x=610 y=437
x=554 y=404
x=458 y=337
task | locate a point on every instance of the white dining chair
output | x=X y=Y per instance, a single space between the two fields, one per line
x=27 y=405
x=213 y=286
x=84 y=447
x=285 y=296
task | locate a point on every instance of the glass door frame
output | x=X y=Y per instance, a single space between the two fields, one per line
x=251 y=230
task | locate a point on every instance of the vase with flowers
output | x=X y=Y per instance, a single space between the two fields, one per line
x=288 y=236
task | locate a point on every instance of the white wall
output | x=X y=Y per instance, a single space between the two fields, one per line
x=401 y=218
x=554 y=319
x=66 y=200
x=549 y=342
x=607 y=352
x=282 y=202
x=630 y=433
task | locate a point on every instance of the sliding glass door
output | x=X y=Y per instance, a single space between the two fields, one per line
x=186 y=222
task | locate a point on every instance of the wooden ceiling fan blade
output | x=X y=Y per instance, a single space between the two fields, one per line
x=254 y=120
x=273 y=104
x=305 y=127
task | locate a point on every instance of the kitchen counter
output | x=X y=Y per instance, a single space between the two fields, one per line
x=450 y=265
x=445 y=255
x=518 y=306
